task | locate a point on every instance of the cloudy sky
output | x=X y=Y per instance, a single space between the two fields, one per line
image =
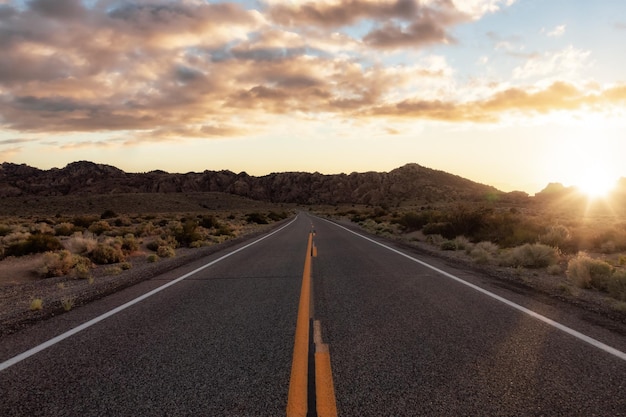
x=512 y=93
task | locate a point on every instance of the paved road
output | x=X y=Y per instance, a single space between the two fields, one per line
x=404 y=340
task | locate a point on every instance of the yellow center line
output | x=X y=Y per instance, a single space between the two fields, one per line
x=324 y=387
x=298 y=383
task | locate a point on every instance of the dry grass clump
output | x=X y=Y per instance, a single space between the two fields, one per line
x=483 y=252
x=587 y=272
x=535 y=255
x=107 y=253
x=63 y=262
x=36 y=304
x=165 y=252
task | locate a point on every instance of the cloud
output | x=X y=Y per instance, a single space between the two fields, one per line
x=556 y=97
x=557 y=31
x=173 y=69
x=564 y=64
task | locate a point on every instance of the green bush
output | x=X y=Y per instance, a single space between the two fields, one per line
x=587 y=272
x=188 y=233
x=36 y=243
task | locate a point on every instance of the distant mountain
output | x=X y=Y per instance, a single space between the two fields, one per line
x=411 y=182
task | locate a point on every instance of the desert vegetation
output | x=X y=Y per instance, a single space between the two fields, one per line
x=582 y=251
x=75 y=244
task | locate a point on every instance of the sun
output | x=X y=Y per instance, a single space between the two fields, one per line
x=595 y=183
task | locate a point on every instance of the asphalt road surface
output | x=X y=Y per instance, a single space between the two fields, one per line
x=404 y=340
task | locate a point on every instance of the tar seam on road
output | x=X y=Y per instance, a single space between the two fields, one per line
x=16 y=359
x=596 y=343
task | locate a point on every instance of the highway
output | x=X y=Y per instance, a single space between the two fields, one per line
x=403 y=339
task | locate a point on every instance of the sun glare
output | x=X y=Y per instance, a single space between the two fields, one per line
x=596 y=183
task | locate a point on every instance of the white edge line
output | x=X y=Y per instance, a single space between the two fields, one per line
x=16 y=359
x=615 y=352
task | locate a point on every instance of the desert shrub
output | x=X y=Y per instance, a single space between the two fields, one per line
x=556 y=236
x=413 y=221
x=535 y=255
x=209 y=222
x=5 y=230
x=617 y=285
x=129 y=243
x=81 y=243
x=106 y=253
x=554 y=269
x=42 y=228
x=35 y=243
x=439 y=228
x=484 y=252
x=64 y=229
x=462 y=243
x=224 y=230
x=188 y=233
x=587 y=272
x=448 y=245
x=57 y=264
x=153 y=257
x=82 y=267
x=154 y=245
x=435 y=240
x=108 y=214
x=84 y=222
x=256 y=217
x=99 y=227
x=274 y=216
x=147 y=229
x=122 y=221
x=166 y=252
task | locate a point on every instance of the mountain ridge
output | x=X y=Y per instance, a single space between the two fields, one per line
x=409 y=182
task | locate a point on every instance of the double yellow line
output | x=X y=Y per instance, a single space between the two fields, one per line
x=298 y=384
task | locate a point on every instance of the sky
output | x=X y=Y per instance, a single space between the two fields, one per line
x=510 y=93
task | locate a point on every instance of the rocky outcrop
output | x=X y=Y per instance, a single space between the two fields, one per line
x=411 y=182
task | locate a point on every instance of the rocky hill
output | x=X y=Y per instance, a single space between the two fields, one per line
x=411 y=182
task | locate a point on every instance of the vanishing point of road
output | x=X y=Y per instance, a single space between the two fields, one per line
x=316 y=319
